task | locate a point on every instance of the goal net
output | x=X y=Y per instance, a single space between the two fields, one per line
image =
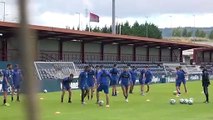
x=54 y=70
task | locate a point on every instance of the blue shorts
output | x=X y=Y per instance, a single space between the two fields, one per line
x=125 y=85
x=147 y=82
x=133 y=82
x=5 y=87
x=16 y=86
x=184 y=81
x=66 y=87
x=113 y=82
x=105 y=88
x=91 y=84
x=177 y=83
x=84 y=87
x=141 y=81
x=144 y=82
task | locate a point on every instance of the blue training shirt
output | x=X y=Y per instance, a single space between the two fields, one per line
x=125 y=78
x=66 y=81
x=103 y=77
x=180 y=76
x=134 y=74
x=142 y=72
x=183 y=74
x=83 y=78
x=148 y=75
x=7 y=74
x=16 y=76
x=91 y=75
x=114 y=74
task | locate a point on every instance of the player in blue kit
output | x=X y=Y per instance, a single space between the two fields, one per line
x=17 y=78
x=134 y=75
x=82 y=83
x=91 y=82
x=180 y=77
x=148 y=78
x=125 y=78
x=7 y=82
x=97 y=70
x=142 y=80
x=183 y=79
x=66 y=87
x=114 y=79
x=178 y=80
x=103 y=84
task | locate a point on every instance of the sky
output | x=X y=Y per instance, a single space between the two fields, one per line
x=163 y=13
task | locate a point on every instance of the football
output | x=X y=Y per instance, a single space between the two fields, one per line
x=191 y=99
x=186 y=101
x=175 y=92
x=101 y=103
x=45 y=91
x=172 y=101
x=181 y=101
x=190 y=102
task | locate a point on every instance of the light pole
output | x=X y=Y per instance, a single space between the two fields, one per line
x=147 y=26
x=4 y=10
x=170 y=21
x=113 y=17
x=118 y=25
x=194 y=27
x=79 y=20
x=171 y=25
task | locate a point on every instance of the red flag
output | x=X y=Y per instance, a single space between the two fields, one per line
x=94 y=17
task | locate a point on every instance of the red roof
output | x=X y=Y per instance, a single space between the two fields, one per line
x=8 y=29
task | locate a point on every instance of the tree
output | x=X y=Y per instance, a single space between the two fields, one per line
x=136 y=30
x=105 y=29
x=211 y=35
x=185 y=32
x=153 y=31
x=189 y=34
x=73 y=28
x=126 y=29
x=200 y=33
x=87 y=28
x=197 y=33
x=96 y=29
x=177 y=32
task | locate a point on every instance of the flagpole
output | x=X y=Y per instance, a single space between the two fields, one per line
x=89 y=21
x=89 y=25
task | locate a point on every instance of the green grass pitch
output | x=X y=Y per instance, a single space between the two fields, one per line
x=158 y=108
